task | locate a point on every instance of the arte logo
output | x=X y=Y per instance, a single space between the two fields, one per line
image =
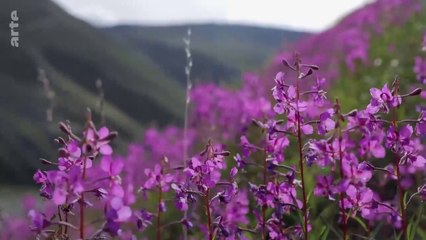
x=14 y=25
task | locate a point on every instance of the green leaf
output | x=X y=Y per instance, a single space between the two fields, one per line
x=421 y=233
x=362 y=223
x=324 y=233
x=309 y=195
x=330 y=227
x=376 y=231
x=405 y=199
x=414 y=223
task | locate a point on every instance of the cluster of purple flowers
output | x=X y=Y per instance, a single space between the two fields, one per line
x=349 y=41
x=86 y=176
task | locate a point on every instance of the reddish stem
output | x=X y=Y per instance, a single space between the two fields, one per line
x=342 y=174
x=299 y=140
x=397 y=162
x=342 y=194
x=82 y=202
x=401 y=199
x=209 y=220
x=160 y=196
x=66 y=227
x=60 y=219
x=265 y=166
x=305 y=205
x=66 y=217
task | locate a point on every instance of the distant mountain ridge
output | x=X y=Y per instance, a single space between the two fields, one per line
x=220 y=52
x=73 y=54
x=142 y=83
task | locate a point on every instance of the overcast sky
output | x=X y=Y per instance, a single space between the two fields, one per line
x=312 y=15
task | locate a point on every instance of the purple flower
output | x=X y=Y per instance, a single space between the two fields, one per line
x=223 y=231
x=144 y=219
x=399 y=140
x=363 y=120
x=356 y=173
x=325 y=187
x=118 y=209
x=112 y=167
x=233 y=173
x=382 y=100
x=204 y=170
x=414 y=160
x=100 y=193
x=112 y=227
x=236 y=211
x=247 y=147
x=421 y=125
x=58 y=185
x=181 y=197
x=40 y=177
x=261 y=195
x=228 y=194
x=276 y=146
x=320 y=94
x=359 y=199
x=240 y=162
x=46 y=190
x=119 y=212
x=156 y=177
x=319 y=152
x=291 y=124
x=39 y=222
x=273 y=195
x=422 y=191
x=275 y=232
x=372 y=144
x=204 y=175
x=188 y=224
x=97 y=141
x=285 y=95
x=326 y=122
x=70 y=155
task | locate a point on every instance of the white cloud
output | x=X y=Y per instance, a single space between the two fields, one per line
x=305 y=14
x=310 y=15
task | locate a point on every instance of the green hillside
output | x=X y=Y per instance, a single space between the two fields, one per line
x=220 y=52
x=74 y=55
x=142 y=83
x=391 y=55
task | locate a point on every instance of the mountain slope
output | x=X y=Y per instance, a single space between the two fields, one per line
x=220 y=52
x=74 y=55
x=142 y=75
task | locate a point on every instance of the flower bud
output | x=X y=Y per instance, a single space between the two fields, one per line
x=415 y=92
x=65 y=128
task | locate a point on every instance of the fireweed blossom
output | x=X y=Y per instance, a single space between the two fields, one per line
x=292 y=102
x=339 y=148
x=158 y=180
x=350 y=149
x=279 y=194
x=204 y=181
x=278 y=190
x=73 y=183
x=268 y=194
x=395 y=135
x=382 y=100
x=345 y=144
x=376 y=134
